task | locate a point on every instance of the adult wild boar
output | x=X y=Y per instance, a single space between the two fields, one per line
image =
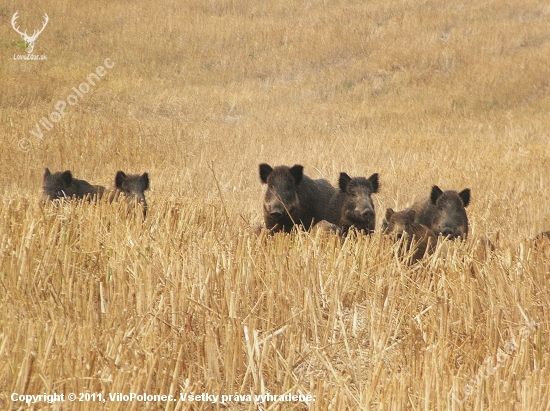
x=352 y=205
x=444 y=212
x=132 y=187
x=418 y=236
x=292 y=198
x=61 y=185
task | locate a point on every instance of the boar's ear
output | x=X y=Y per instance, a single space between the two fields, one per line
x=144 y=181
x=265 y=171
x=67 y=177
x=120 y=178
x=465 y=196
x=297 y=172
x=374 y=181
x=343 y=181
x=436 y=192
x=47 y=173
x=389 y=213
x=411 y=214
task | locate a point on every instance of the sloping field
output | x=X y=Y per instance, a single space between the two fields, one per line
x=188 y=302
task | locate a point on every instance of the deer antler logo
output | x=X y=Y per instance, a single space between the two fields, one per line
x=29 y=40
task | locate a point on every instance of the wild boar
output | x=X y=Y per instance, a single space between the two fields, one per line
x=352 y=205
x=61 y=185
x=416 y=236
x=292 y=198
x=444 y=212
x=132 y=187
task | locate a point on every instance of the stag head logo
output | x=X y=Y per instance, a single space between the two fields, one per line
x=29 y=40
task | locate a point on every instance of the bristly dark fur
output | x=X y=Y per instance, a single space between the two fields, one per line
x=61 y=185
x=352 y=205
x=444 y=212
x=133 y=187
x=292 y=198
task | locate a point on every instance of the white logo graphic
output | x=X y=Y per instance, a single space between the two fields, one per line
x=29 y=40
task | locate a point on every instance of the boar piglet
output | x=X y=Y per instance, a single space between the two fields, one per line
x=401 y=226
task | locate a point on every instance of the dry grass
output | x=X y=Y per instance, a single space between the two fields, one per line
x=421 y=92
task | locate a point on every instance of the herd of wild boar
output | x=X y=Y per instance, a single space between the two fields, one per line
x=293 y=199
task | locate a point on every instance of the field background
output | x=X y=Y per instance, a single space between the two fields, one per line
x=423 y=92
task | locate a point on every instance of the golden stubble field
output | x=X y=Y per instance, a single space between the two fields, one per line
x=201 y=92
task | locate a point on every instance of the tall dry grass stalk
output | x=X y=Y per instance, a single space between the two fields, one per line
x=95 y=300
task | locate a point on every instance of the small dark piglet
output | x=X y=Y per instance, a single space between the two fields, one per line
x=402 y=224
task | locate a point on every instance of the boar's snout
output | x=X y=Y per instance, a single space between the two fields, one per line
x=449 y=232
x=141 y=199
x=367 y=214
x=275 y=209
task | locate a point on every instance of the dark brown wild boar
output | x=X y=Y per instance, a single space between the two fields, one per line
x=132 y=187
x=62 y=185
x=444 y=212
x=292 y=198
x=417 y=236
x=352 y=205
